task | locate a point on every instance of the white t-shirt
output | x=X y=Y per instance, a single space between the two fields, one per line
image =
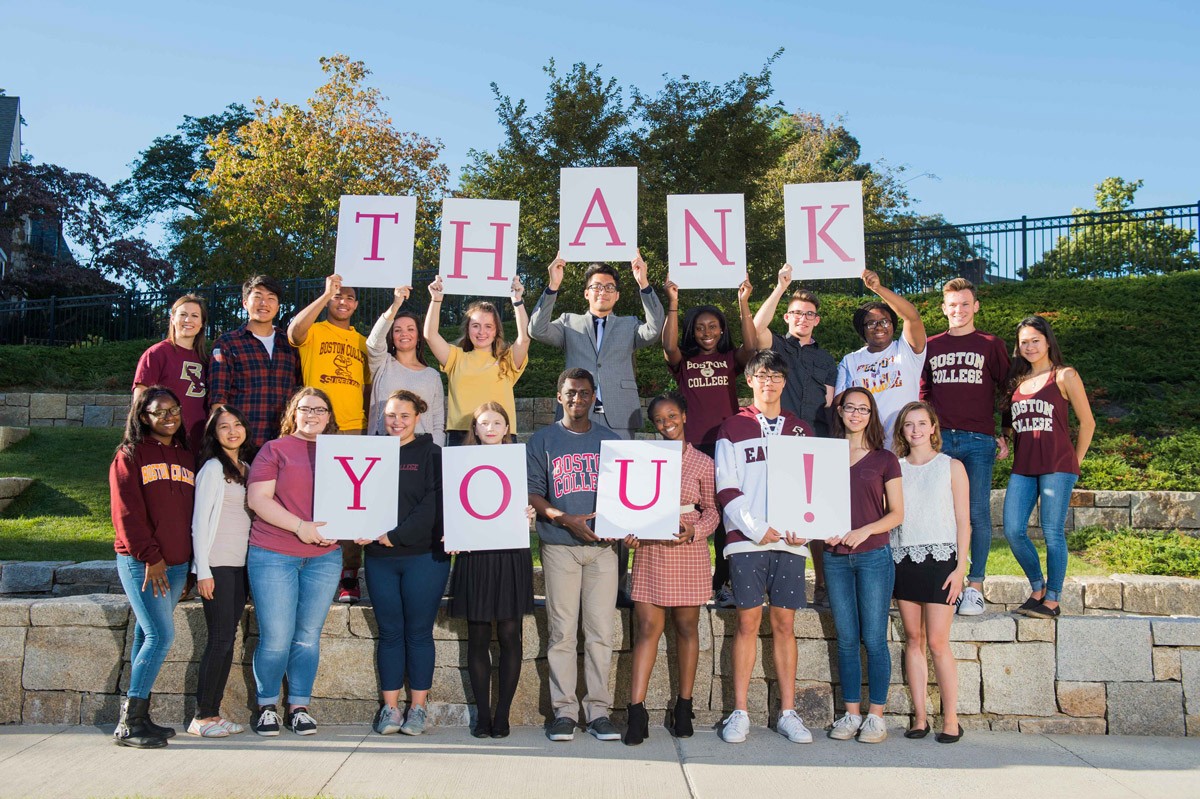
x=892 y=375
x=268 y=341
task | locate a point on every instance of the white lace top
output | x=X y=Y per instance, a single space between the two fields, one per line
x=929 y=527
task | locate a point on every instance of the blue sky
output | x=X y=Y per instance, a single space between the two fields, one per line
x=1017 y=107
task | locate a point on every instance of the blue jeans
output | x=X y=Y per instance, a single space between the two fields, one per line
x=291 y=600
x=155 y=630
x=1054 y=491
x=406 y=593
x=978 y=455
x=860 y=594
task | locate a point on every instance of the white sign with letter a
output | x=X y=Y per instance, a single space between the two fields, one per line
x=823 y=223
x=706 y=237
x=479 y=246
x=356 y=479
x=808 y=486
x=637 y=492
x=375 y=240
x=484 y=495
x=597 y=213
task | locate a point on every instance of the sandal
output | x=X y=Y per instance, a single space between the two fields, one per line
x=918 y=732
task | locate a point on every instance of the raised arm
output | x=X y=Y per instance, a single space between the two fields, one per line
x=520 y=347
x=670 y=331
x=542 y=326
x=766 y=312
x=914 y=328
x=650 y=331
x=377 y=341
x=750 y=343
x=297 y=331
x=437 y=344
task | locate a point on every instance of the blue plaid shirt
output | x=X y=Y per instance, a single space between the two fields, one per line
x=242 y=375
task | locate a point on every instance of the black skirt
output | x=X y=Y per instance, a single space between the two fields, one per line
x=492 y=585
x=922 y=582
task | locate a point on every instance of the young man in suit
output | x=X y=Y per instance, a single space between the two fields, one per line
x=604 y=344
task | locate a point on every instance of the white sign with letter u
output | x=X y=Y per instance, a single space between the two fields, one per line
x=484 y=495
x=356 y=479
x=637 y=492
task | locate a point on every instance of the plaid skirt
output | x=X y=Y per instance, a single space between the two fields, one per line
x=672 y=575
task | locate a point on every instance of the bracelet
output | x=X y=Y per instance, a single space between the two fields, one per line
x=673 y=310
x=518 y=303
x=433 y=301
x=298 y=526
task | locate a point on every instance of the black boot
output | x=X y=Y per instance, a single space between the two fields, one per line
x=132 y=730
x=639 y=725
x=681 y=718
x=158 y=729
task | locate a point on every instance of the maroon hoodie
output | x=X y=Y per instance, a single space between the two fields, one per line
x=152 y=494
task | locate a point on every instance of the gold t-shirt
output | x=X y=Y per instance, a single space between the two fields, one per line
x=335 y=361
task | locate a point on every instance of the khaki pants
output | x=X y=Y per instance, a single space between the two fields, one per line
x=581 y=581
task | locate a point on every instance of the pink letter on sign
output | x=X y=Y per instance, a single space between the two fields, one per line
x=505 y=487
x=357 y=481
x=823 y=233
x=624 y=495
x=690 y=224
x=598 y=200
x=376 y=219
x=459 y=249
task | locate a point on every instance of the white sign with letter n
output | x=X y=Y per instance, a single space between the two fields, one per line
x=479 y=246
x=597 y=213
x=637 y=492
x=706 y=237
x=808 y=486
x=823 y=223
x=356 y=479
x=485 y=491
x=375 y=240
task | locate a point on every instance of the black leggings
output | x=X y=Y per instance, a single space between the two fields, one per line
x=479 y=666
x=222 y=614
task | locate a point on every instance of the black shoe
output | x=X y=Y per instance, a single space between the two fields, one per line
x=1041 y=611
x=1028 y=604
x=679 y=720
x=266 y=723
x=483 y=728
x=639 y=725
x=500 y=730
x=132 y=730
x=166 y=732
x=302 y=722
x=602 y=729
x=917 y=732
x=946 y=738
x=561 y=729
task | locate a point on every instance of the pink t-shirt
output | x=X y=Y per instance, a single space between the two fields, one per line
x=168 y=364
x=291 y=462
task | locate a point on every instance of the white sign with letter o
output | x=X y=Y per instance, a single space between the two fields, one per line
x=484 y=495
x=375 y=240
x=637 y=492
x=356 y=479
x=823 y=223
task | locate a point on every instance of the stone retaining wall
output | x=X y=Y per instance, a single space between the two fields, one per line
x=65 y=661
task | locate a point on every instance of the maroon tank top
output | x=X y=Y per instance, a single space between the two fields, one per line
x=1042 y=439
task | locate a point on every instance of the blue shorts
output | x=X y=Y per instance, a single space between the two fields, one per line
x=778 y=576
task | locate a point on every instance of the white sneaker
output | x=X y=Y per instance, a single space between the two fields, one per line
x=846 y=727
x=724 y=598
x=970 y=602
x=872 y=731
x=791 y=726
x=735 y=727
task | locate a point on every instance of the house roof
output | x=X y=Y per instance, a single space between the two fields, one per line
x=10 y=130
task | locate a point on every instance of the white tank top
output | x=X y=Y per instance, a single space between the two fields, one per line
x=929 y=526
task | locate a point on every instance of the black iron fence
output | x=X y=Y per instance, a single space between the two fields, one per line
x=1092 y=244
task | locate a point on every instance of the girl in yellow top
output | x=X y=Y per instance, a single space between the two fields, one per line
x=481 y=366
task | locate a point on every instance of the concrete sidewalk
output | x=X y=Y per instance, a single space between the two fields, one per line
x=62 y=762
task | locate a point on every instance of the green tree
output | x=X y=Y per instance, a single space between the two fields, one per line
x=1111 y=240
x=276 y=182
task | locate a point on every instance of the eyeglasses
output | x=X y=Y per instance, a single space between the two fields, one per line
x=874 y=323
x=304 y=409
x=809 y=315
x=855 y=410
x=603 y=288
x=165 y=413
x=768 y=377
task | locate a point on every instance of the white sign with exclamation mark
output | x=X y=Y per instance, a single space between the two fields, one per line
x=808 y=486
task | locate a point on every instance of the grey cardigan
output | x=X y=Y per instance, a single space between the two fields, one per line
x=388 y=375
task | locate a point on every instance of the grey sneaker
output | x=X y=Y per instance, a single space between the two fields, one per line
x=563 y=729
x=846 y=727
x=603 y=730
x=872 y=731
x=388 y=721
x=735 y=728
x=415 y=723
x=970 y=602
x=791 y=726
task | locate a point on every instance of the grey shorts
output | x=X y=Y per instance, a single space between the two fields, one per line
x=779 y=576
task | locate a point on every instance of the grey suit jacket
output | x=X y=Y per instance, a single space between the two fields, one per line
x=612 y=366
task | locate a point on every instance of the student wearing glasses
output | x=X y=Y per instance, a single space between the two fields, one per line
x=887 y=366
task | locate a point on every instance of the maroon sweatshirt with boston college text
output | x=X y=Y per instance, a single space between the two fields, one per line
x=152 y=493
